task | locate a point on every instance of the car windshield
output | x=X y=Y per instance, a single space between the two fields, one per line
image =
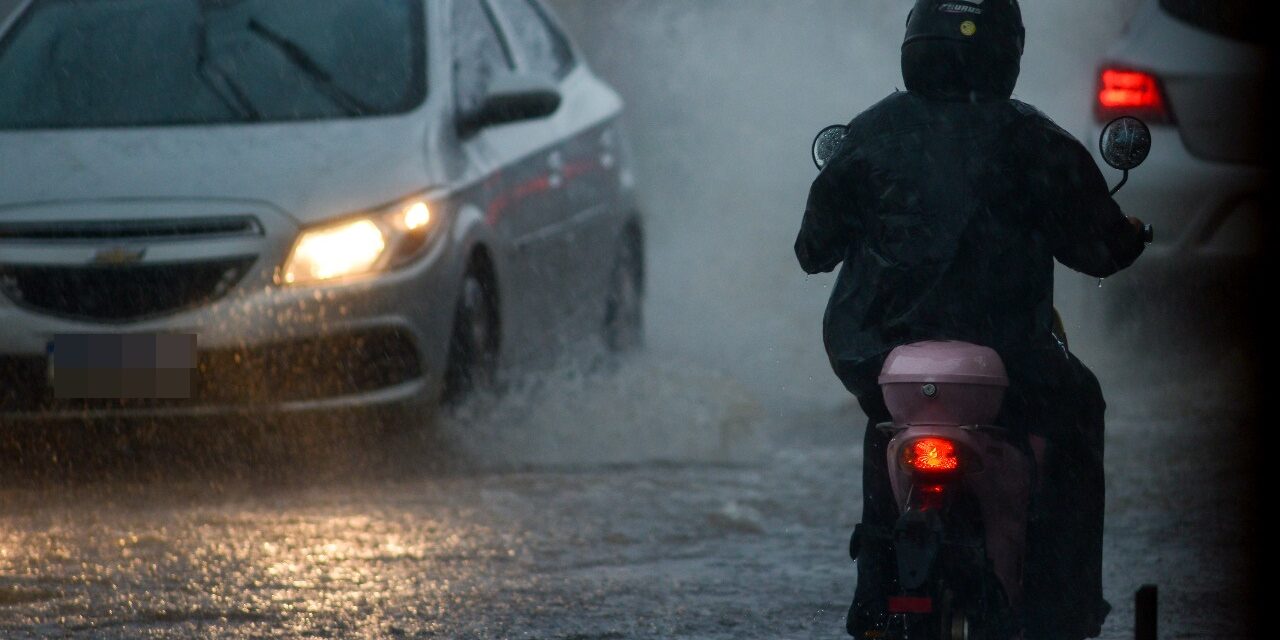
x=1232 y=18
x=94 y=63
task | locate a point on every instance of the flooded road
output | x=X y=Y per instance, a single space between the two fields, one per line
x=665 y=500
x=739 y=533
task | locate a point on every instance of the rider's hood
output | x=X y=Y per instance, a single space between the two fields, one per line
x=963 y=49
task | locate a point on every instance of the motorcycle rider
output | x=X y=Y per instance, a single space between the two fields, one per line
x=947 y=205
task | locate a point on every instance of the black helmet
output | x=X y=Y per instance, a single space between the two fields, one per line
x=963 y=49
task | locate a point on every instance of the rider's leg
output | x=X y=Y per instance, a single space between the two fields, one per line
x=1063 y=578
x=871 y=542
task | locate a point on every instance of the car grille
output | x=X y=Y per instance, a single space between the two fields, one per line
x=161 y=229
x=295 y=370
x=120 y=293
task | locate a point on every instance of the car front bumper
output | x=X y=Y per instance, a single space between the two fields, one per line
x=263 y=348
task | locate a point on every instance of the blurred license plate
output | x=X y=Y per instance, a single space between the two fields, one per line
x=122 y=366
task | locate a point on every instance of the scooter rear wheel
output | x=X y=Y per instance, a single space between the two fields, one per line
x=955 y=624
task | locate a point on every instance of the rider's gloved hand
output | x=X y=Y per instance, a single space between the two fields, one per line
x=1144 y=230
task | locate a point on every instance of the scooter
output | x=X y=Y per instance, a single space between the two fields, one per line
x=963 y=486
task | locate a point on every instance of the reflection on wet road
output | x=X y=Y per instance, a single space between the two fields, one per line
x=628 y=552
x=752 y=546
x=662 y=550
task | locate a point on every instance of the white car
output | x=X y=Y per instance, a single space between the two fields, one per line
x=1195 y=71
x=348 y=203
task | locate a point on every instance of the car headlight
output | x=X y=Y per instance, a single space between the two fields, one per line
x=360 y=246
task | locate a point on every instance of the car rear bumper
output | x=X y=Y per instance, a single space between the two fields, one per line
x=1196 y=281
x=1182 y=194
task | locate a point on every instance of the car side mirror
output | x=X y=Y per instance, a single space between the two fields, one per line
x=827 y=143
x=512 y=98
x=1125 y=145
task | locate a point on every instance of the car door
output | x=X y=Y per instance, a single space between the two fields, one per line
x=519 y=190
x=577 y=151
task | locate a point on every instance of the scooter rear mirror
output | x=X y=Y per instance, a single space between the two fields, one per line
x=827 y=143
x=1125 y=143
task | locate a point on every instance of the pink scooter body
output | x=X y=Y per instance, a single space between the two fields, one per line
x=954 y=390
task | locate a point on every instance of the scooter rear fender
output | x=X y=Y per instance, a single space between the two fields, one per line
x=1000 y=479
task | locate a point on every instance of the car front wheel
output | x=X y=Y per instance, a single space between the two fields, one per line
x=473 y=349
x=624 y=311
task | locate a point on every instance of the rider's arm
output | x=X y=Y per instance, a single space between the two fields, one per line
x=825 y=234
x=1088 y=231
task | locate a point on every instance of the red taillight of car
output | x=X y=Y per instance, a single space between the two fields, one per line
x=1125 y=92
x=931 y=455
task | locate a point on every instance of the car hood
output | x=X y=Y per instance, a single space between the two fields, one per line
x=310 y=171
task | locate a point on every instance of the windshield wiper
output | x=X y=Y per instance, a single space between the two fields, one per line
x=211 y=74
x=350 y=104
x=238 y=101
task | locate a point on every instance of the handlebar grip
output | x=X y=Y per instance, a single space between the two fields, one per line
x=1148 y=234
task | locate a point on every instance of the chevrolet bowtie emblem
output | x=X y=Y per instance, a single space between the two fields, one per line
x=119 y=256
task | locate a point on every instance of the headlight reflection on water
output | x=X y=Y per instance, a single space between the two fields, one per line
x=324 y=571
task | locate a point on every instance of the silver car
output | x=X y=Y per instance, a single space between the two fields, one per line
x=348 y=203
x=1194 y=70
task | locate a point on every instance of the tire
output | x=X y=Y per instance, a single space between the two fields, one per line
x=473 y=348
x=624 y=306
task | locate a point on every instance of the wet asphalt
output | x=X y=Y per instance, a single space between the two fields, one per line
x=725 y=520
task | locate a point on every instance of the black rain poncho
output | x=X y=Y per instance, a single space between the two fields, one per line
x=947 y=215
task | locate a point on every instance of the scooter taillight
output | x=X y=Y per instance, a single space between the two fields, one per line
x=931 y=456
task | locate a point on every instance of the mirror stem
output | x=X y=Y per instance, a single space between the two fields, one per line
x=1123 y=181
